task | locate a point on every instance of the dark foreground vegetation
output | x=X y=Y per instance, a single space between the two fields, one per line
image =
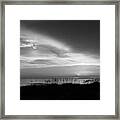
x=61 y=92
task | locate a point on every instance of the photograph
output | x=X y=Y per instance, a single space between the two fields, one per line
x=59 y=59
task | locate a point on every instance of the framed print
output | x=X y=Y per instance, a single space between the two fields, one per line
x=60 y=60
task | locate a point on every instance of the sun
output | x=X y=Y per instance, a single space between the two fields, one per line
x=78 y=74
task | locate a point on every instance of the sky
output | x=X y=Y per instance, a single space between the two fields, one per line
x=59 y=47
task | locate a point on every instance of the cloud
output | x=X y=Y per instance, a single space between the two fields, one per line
x=40 y=45
x=39 y=51
x=33 y=39
x=71 y=60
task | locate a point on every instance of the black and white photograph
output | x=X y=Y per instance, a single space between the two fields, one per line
x=59 y=59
